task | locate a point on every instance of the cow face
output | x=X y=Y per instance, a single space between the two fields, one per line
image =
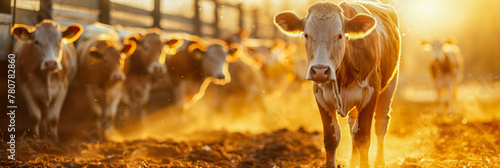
x=437 y=48
x=47 y=40
x=326 y=31
x=150 y=52
x=214 y=60
x=107 y=60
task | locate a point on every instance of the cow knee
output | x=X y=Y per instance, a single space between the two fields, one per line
x=331 y=142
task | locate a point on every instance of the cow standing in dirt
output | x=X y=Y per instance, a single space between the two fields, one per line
x=144 y=67
x=196 y=61
x=353 y=50
x=101 y=58
x=46 y=64
x=446 y=71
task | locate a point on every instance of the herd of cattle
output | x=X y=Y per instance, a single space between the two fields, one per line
x=353 y=53
x=92 y=73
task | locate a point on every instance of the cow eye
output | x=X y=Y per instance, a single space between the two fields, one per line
x=340 y=36
x=36 y=41
x=306 y=36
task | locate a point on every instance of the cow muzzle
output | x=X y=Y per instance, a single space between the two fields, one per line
x=117 y=76
x=320 y=74
x=50 y=66
x=157 y=69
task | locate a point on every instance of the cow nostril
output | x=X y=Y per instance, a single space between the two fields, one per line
x=220 y=76
x=327 y=71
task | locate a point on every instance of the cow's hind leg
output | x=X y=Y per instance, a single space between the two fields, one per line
x=382 y=117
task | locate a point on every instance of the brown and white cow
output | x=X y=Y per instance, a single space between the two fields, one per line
x=46 y=64
x=101 y=57
x=353 y=50
x=144 y=67
x=196 y=61
x=446 y=71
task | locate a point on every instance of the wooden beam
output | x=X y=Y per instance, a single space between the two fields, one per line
x=241 y=15
x=5 y=6
x=196 y=19
x=156 y=14
x=104 y=11
x=45 y=11
x=216 y=19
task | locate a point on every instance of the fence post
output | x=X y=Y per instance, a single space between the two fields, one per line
x=241 y=15
x=45 y=11
x=216 y=19
x=255 y=30
x=156 y=14
x=104 y=11
x=5 y=6
x=196 y=19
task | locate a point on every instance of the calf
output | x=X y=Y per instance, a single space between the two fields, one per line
x=446 y=71
x=353 y=50
x=144 y=67
x=46 y=65
x=101 y=59
x=195 y=62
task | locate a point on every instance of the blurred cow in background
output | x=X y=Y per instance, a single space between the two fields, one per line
x=447 y=71
x=46 y=66
x=197 y=64
x=144 y=68
x=99 y=85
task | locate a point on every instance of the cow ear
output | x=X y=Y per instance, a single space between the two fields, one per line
x=426 y=45
x=22 y=32
x=359 y=26
x=197 y=49
x=243 y=33
x=129 y=47
x=174 y=43
x=234 y=52
x=289 y=23
x=134 y=37
x=72 y=33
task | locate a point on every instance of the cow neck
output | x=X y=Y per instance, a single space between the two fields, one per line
x=347 y=72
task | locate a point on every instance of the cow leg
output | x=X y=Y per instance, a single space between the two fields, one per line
x=34 y=110
x=113 y=99
x=331 y=131
x=353 y=125
x=96 y=108
x=54 y=113
x=362 y=134
x=382 y=116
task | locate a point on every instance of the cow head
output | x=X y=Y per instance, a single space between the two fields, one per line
x=214 y=59
x=47 y=39
x=437 y=47
x=326 y=31
x=107 y=60
x=150 y=53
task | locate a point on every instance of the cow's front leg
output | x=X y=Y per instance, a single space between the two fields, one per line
x=382 y=116
x=363 y=130
x=331 y=128
x=353 y=116
x=34 y=110
x=331 y=131
x=54 y=114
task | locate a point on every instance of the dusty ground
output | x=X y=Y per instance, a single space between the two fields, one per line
x=417 y=138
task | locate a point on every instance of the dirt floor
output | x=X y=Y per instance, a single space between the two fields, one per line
x=280 y=138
